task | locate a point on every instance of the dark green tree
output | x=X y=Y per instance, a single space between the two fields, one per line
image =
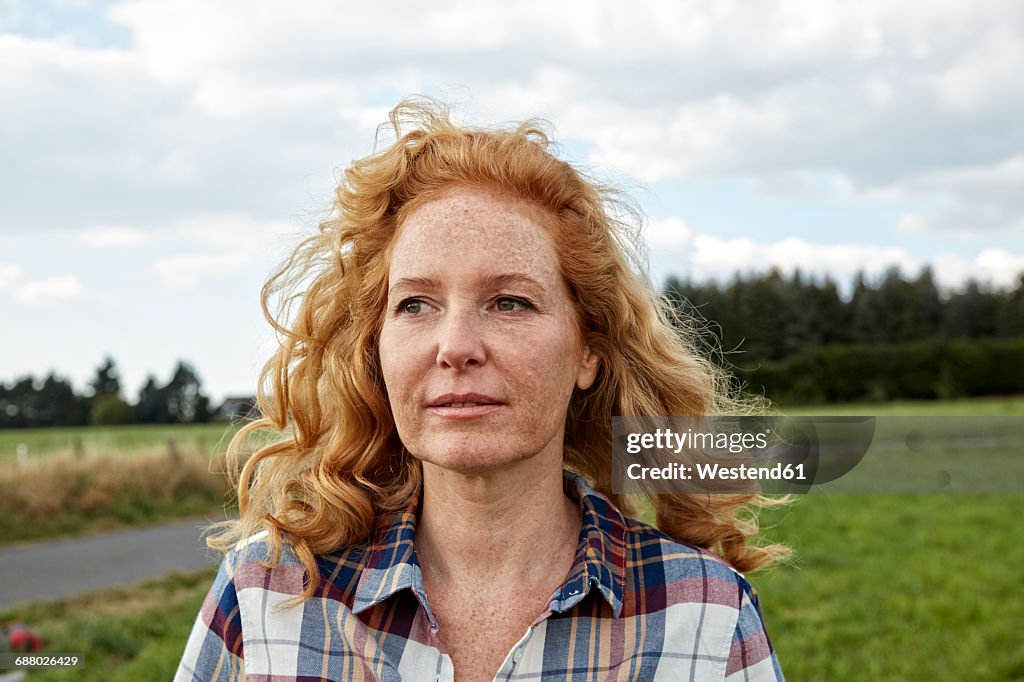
x=107 y=380
x=928 y=302
x=864 y=316
x=830 y=314
x=151 y=408
x=20 y=404
x=1010 y=322
x=184 y=398
x=896 y=309
x=973 y=313
x=58 y=404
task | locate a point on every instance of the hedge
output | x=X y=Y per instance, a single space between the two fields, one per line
x=939 y=368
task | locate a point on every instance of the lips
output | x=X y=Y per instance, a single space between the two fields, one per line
x=463 y=400
x=464 y=406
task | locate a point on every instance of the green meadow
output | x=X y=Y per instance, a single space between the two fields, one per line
x=899 y=587
x=114 y=440
x=968 y=407
x=883 y=587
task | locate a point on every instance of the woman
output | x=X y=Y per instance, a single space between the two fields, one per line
x=467 y=323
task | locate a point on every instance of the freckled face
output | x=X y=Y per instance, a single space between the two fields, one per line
x=479 y=348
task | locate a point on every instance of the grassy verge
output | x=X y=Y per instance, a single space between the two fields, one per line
x=132 y=634
x=123 y=476
x=59 y=496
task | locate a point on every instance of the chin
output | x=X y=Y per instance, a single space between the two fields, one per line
x=470 y=458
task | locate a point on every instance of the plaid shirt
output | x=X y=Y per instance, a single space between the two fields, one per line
x=636 y=605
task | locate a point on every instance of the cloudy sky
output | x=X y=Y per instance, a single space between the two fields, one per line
x=158 y=158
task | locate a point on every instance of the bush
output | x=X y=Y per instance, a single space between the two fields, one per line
x=937 y=368
x=111 y=410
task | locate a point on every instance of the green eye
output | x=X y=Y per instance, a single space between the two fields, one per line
x=413 y=306
x=510 y=305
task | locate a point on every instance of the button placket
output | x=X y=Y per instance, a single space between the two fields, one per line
x=516 y=655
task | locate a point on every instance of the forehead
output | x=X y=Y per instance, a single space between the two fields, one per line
x=474 y=230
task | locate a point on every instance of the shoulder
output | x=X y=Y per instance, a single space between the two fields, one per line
x=682 y=573
x=700 y=600
x=252 y=566
x=254 y=600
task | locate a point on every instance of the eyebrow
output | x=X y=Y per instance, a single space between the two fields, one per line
x=414 y=283
x=490 y=281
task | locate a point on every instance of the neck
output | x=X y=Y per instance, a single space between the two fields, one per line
x=495 y=524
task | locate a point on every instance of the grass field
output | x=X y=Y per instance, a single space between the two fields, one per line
x=885 y=587
x=114 y=440
x=899 y=587
x=967 y=407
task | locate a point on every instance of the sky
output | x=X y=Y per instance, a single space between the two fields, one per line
x=159 y=159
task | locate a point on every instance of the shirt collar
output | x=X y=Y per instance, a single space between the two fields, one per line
x=601 y=553
x=391 y=564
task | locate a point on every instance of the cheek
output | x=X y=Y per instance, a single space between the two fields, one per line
x=551 y=368
x=386 y=356
x=395 y=365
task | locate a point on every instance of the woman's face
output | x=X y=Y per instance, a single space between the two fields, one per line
x=479 y=348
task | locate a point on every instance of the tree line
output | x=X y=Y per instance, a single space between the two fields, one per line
x=769 y=317
x=793 y=338
x=798 y=340
x=52 y=401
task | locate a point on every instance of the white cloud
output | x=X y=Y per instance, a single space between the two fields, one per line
x=186 y=270
x=668 y=233
x=214 y=244
x=951 y=270
x=714 y=256
x=704 y=257
x=49 y=291
x=989 y=71
x=222 y=244
x=229 y=232
x=112 y=236
x=9 y=275
x=37 y=292
x=970 y=198
x=873 y=93
x=1001 y=268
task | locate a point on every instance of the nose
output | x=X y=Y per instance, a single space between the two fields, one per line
x=460 y=343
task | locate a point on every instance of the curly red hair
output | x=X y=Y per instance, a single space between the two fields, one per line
x=343 y=464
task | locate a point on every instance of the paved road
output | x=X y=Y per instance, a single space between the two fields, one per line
x=59 y=568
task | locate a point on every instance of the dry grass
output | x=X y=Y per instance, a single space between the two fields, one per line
x=64 y=494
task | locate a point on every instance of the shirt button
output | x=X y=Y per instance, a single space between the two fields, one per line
x=518 y=655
